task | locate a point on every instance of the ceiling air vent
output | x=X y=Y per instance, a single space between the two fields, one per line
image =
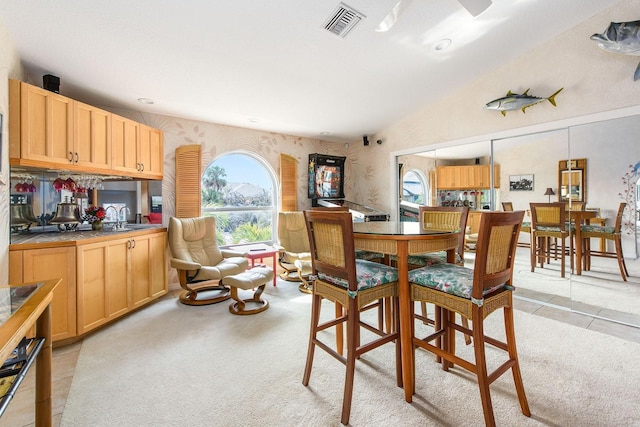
x=342 y=20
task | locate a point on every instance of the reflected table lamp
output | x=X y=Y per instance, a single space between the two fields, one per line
x=549 y=193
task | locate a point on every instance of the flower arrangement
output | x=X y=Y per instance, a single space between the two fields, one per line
x=94 y=214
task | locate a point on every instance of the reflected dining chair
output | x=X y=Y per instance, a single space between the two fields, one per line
x=612 y=233
x=526 y=225
x=475 y=294
x=353 y=284
x=548 y=221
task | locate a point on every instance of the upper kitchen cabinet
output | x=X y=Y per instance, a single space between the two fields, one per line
x=137 y=149
x=125 y=144
x=466 y=177
x=40 y=126
x=92 y=136
x=48 y=130
x=151 y=154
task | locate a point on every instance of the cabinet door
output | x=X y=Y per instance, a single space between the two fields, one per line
x=54 y=263
x=140 y=271
x=124 y=145
x=102 y=283
x=473 y=221
x=46 y=125
x=151 y=153
x=92 y=136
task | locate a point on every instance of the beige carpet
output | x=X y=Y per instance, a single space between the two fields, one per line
x=174 y=365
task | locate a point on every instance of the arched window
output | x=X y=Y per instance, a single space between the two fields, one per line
x=414 y=188
x=239 y=189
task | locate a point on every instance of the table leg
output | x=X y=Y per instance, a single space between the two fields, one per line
x=406 y=321
x=578 y=247
x=273 y=263
x=43 y=370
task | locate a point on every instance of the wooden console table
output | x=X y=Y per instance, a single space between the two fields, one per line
x=21 y=308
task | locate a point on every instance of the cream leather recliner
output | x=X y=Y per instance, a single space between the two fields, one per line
x=293 y=244
x=200 y=262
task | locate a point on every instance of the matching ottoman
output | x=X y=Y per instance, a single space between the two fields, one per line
x=256 y=278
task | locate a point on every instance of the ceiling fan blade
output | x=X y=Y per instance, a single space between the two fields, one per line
x=390 y=20
x=475 y=7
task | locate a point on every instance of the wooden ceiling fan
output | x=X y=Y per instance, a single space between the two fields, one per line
x=474 y=7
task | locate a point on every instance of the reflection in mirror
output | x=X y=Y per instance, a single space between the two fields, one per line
x=613 y=154
x=533 y=155
x=572 y=180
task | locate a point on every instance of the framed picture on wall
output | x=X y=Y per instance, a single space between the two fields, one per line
x=521 y=182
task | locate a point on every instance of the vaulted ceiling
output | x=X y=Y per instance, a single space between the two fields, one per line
x=272 y=65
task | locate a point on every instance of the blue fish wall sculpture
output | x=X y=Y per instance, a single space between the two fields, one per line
x=621 y=37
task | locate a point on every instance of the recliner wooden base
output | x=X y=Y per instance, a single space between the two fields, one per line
x=203 y=293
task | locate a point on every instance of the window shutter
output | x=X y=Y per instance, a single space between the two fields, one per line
x=288 y=180
x=188 y=181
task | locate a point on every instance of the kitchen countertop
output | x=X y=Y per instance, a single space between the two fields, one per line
x=50 y=236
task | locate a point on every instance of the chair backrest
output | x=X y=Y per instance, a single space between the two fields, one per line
x=495 y=250
x=619 y=215
x=194 y=239
x=548 y=215
x=507 y=206
x=292 y=232
x=575 y=206
x=445 y=218
x=332 y=246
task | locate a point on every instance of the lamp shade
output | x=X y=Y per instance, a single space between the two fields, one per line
x=549 y=192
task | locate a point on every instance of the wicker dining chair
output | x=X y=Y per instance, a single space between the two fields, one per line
x=475 y=294
x=353 y=284
x=548 y=221
x=613 y=233
x=526 y=225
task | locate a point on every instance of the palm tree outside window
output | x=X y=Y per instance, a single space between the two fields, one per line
x=239 y=189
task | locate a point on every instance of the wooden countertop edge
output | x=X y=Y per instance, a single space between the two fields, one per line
x=104 y=237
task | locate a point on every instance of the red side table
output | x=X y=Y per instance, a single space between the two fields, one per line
x=258 y=251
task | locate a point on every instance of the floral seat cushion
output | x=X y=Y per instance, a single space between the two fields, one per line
x=425 y=260
x=598 y=229
x=449 y=278
x=368 y=255
x=369 y=274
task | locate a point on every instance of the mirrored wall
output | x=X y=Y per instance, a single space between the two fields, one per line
x=594 y=163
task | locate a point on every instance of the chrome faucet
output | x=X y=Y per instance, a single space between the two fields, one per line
x=106 y=212
x=124 y=222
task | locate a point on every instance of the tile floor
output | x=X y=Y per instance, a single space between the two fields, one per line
x=20 y=411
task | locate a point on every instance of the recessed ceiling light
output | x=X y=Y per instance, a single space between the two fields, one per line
x=325 y=133
x=443 y=44
x=253 y=120
x=146 y=101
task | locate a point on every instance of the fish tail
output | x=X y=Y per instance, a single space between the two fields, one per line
x=552 y=97
x=636 y=75
x=504 y=113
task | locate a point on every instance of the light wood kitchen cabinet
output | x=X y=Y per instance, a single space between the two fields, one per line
x=103 y=283
x=466 y=177
x=150 y=152
x=31 y=265
x=473 y=221
x=92 y=136
x=124 y=145
x=40 y=125
x=117 y=276
x=51 y=131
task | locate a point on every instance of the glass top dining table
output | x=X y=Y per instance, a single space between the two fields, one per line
x=403 y=239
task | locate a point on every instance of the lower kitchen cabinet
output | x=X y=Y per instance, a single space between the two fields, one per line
x=118 y=276
x=34 y=265
x=101 y=279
